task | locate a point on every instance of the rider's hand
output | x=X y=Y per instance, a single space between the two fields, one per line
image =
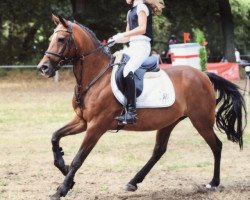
x=118 y=37
x=115 y=39
x=110 y=42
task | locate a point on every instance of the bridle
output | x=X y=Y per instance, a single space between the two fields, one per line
x=62 y=55
x=79 y=92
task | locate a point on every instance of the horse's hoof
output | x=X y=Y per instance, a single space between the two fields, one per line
x=213 y=184
x=130 y=188
x=53 y=197
x=210 y=187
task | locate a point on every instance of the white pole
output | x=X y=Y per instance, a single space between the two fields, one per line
x=56 y=77
x=247 y=88
x=247 y=92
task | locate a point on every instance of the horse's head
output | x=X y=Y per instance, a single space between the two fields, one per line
x=62 y=48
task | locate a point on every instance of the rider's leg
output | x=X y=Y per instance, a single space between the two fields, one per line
x=138 y=51
x=130 y=115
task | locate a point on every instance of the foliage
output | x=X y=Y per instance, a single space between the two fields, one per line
x=104 y=17
x=185 y=15
x=25 y=25
x=199 y=38
x=241 y=12
x=161 y=32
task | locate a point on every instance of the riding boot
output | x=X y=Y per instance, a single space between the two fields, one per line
x=129 y=117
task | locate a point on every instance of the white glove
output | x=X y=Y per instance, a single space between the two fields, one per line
x=118 y=37
x=115 y=39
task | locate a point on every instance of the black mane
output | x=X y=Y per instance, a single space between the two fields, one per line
x=105 y=49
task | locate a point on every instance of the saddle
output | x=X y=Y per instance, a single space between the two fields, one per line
x=149 y=65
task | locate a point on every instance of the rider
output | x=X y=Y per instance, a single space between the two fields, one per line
x=139 y=35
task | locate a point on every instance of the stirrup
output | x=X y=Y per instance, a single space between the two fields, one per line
x=129 y=117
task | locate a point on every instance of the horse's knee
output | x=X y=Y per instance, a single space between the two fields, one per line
x=58 y=163
x=55 y=138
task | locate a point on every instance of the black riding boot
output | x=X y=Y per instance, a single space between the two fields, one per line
x=129 y=117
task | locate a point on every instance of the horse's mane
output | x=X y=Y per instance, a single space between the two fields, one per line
x=105 y=49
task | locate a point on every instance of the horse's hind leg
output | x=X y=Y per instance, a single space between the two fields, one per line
x=74 y=127
x=204 y=122
x=160 y=148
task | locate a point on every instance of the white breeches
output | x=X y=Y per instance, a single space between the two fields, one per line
x=138 y=51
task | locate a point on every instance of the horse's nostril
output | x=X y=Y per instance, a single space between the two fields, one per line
x=44 y=68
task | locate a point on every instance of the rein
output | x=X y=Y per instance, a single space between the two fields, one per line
x=65 y=60
x=79 y=94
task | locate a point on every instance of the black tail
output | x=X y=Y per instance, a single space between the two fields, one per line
x=229 y=117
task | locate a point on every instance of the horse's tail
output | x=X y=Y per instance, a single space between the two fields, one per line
x=229 y=117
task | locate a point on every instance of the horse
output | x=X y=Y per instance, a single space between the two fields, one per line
x=96 y=107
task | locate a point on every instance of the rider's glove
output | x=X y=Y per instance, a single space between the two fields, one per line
x=115 y=39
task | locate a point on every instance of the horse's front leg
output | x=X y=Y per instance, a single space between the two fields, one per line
x=92 y=136
x=76 y=126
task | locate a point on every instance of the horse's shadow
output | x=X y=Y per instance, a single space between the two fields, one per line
x=195 y=192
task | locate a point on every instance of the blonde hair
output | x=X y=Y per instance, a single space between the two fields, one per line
x=156 y=5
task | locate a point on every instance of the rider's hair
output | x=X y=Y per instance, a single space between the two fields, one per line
x=156 y=5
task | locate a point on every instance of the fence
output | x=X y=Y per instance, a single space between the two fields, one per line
x=56 y=77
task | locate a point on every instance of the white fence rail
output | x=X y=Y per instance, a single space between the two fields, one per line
x=17 y=66
x=56 y=77
x=25 y=66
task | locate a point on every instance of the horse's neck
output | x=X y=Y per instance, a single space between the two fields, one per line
x=88 y=69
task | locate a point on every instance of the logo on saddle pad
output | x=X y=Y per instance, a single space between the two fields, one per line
x=154 y=88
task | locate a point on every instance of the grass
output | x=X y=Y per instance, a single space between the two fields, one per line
x=32 y=108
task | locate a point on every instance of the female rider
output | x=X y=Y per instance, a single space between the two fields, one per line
x=139 y=35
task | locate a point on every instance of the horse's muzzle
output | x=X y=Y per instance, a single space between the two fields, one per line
x=46 y=70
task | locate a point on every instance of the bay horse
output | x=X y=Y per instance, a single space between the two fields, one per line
x=96 y=107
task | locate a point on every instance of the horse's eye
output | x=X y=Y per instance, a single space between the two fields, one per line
x=61 y=40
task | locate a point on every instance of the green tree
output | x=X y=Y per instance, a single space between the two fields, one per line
x=25 y=25
x=241 y=13
x=213 y=17
x=25 y=28
x=227 y=29
x=104 y=17
x=200 y=38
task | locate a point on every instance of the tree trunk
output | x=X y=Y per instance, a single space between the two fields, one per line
x=227 y=25
x=78 y=7
x=28 y=42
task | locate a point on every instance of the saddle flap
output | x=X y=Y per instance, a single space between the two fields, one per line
x=158 y=90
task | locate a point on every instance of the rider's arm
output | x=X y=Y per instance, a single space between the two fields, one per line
x=142 y=26
x=125 y=39
x=140 y=30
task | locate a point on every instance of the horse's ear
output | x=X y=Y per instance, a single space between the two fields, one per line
x=55 y=19
x=63 y=21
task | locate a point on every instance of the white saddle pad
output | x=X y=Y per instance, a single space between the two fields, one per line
x=158 y=90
